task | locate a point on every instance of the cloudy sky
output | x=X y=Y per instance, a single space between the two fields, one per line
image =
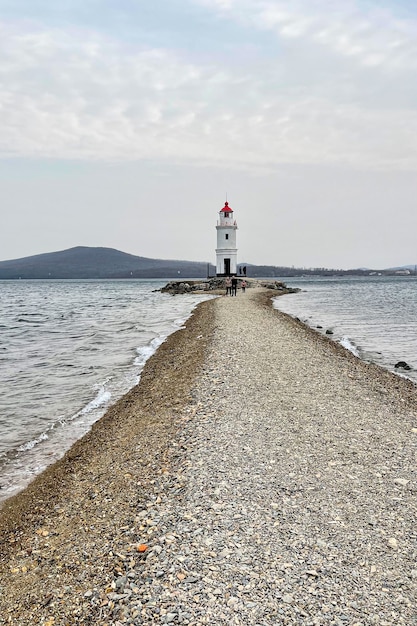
x=124 y=123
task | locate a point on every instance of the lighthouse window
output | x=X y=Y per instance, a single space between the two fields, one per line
x=226 y=215
x=227 y=236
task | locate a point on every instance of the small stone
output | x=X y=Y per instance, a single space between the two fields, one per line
x=170 y=617
x=401 y=481
x=393 y=543
x=120 y=583
x=142 y=547
x=287 y=598
x=224 y=554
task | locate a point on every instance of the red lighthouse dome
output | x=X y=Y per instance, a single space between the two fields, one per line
x=226 y=208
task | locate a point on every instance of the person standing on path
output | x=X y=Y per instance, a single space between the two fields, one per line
x=234 y=286
x=243 y=285
x=228 y=283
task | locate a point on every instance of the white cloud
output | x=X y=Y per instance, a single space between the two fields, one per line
x=75 y=93
x=367 y=33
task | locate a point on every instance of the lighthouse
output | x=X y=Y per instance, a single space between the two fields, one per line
x=226 y=251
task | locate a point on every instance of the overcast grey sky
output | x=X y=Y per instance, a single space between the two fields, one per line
x=123 y=123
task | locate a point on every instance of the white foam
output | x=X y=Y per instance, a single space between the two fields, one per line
x=145 y=352
x=180 y=322
x=31 y=444
x=401 y=375
x=101 y=398
x=349 y=345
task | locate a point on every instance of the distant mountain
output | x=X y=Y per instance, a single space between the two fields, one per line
x=86 y=262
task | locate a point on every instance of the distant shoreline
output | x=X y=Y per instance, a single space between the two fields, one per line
x=92 y=263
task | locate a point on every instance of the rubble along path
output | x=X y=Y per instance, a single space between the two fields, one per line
x=290 y=497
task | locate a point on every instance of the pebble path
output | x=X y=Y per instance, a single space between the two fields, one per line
x=291 y=493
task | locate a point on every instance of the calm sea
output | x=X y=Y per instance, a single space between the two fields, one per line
x=69 y=349
x=374 y=317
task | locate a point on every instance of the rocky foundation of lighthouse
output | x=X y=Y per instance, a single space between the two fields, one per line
x=217 y=286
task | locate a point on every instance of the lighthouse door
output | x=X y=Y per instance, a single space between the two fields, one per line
x=227 y=267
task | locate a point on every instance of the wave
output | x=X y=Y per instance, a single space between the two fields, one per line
x=103 y=397
x=31 y=444
x=101 y=401
x=349 y=345
x=145 y=352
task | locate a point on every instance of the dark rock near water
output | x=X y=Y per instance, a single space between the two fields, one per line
x=329 y=332
x=403 y=365
x=273 y=285
x=178 y=287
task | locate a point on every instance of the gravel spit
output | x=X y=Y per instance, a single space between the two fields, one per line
x=284 y=492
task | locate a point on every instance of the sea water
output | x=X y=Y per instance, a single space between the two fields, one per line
x=68 y=350
x=374 y=317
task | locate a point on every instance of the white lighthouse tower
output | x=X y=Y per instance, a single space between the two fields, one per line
x=226 y=251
